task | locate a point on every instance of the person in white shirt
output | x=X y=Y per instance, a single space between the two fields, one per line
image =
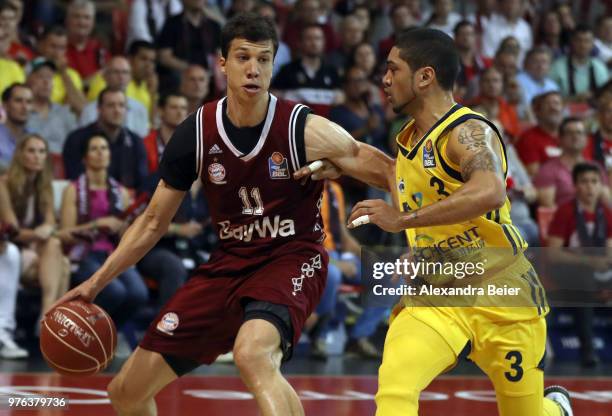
x=443 y=17
x=508 y=21
x=147 y=18
x=603 y=40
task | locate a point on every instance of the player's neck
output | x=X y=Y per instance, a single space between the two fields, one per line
x=97 y=178
x=247 y=113
x=429 y=111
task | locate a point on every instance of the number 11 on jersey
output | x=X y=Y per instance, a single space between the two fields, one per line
x=247 y=208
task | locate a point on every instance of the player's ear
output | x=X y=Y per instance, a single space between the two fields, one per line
x=222 y=62
x=425 y=76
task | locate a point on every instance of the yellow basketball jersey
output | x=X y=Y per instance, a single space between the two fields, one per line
x=425 y=176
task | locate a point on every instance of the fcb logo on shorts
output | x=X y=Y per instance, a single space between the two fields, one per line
x=277 y=164
x=168 y=323
x=429 y=159
x=216 y=173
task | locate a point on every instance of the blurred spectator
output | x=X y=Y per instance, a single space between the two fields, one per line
x=472 y=63
x=26 y=203
x=283 y=54
x=351 y=35
x=508 y=20
x=603 y=40
x=482 y=16
x=53 y=121
x=554 y=179
x=541 y=143
x=93 y=204
x=534 y=80
x=307 y=13
x=578 y=74
x=506 y=62
x=162 y=263
x=513 y=93
x=143 y=84
x=195 y=85
x=358 y=115
x=549 y=33
x=584 y=221
x=568 y=23
x=9 y=18
x=117 y=75
x=492 y=103
x=10 y=266
x=364 y=58
x=401 y=19
x=85 y=54
x=309 y=79
x=187 y=38
x=17 y=102
x=363 y=14
x=11 y=71
x=599 y=147
x=67 y=83
x=443 y=17
x=240 y=6
x=147 y=18
x=129 y=161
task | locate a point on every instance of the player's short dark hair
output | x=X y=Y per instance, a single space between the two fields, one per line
x=107 y=90
x=7 y=94
x=139 y=44
x=461 y=25
x=584 y=167
x=421 y=47
x=568 y=120
x=249 y=26
x=163 y=99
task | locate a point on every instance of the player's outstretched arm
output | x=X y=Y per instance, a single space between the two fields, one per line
x=139 y=238
x=325 y=139
x=474 y=146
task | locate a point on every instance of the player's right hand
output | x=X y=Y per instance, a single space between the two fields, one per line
x=327 y=171
x=86 y=291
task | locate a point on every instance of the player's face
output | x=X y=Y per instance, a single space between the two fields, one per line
x=398 y=82
x=588 y=187
x=98 y=154
x=34 y=155
x=248 y=67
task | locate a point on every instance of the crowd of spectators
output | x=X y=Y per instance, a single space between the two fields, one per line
x=91 y=92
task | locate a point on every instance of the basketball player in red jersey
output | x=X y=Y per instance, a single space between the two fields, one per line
x=269 y=269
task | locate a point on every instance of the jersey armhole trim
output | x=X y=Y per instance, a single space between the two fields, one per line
x=199 y=143
x=297 y=124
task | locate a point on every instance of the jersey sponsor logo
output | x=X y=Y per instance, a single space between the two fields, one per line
x=168 y=323
x=215 y=150
x=429 y=159
x=216 y=173
x=261 y=228
x=277 y=165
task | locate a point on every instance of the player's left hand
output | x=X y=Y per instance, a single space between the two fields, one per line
x=380 y=213
x=327 y=171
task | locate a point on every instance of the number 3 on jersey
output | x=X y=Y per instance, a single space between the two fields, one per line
x=247 y=208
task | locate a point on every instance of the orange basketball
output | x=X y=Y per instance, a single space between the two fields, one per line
x=78 y=338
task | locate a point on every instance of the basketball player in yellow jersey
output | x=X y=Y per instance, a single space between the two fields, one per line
x=450 y=189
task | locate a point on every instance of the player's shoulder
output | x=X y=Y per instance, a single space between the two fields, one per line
x=473 y=130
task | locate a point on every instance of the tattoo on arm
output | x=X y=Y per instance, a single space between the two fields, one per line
x=473 y=135
x=485 y=160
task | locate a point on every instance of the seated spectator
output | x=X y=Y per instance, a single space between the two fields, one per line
x=443 y=17
x=599 y=147
x=11 y=72
x=93 y=204
x=364 y=58
x=401 y=19
x=283 y=53
x=9 y=18
x=481 y=17
x=17 y=103
x=195 y=86
x=309 y=79
x=187 y=38
x=603 y=40
x=85 y=54
x=491 y=102
x=147 y=18
x=534 y=79
x=583 y=221
x=26 y=203
x=47 y=118
x=118 y=74
x=129 y=162
x=554 y=179
x=578 y=74
x=351 y=35
x=541 y=143
x=513 y=93
x=549 y=33
x=472 y=64
x=142 y=86
x=568 y=23
x=308 y=13
x=67 y=83
x=363 y=119
x=507 y=21
x=10 y=264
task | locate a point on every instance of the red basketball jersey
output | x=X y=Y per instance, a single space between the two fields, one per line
x=255 y=204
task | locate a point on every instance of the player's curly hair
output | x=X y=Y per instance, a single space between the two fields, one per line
x=249 y=26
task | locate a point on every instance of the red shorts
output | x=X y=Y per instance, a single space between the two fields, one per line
x=202 y=319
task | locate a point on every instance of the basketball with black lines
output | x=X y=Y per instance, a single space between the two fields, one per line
x=78 y=338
